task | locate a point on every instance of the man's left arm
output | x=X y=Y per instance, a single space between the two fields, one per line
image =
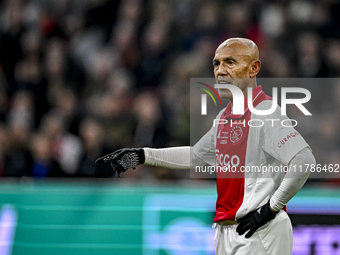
x=291 y=184
x=294 y=180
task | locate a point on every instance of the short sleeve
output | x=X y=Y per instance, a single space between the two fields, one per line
x=281 y=139
x=203 y=152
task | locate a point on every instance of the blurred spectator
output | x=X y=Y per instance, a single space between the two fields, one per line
x=125 y=32
x=66 y=147
x=332 y=58
x=65 y=101
x=154 y=44
x=22 y=111
x=92 y=134
x=309 y=58
x=151 y=121
x=18 y=160
x=44 y=164
x=113 y=106
x=20 y=122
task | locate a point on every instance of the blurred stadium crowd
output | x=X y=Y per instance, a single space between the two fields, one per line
x=80 y=78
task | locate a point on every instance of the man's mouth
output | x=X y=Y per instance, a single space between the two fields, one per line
x=224 y=81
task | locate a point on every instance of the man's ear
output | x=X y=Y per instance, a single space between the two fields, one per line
x=255 y=68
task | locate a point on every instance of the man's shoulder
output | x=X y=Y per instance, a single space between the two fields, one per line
x=268 y=104
x=220 y=113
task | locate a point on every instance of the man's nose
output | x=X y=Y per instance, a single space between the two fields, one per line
x=221 y=71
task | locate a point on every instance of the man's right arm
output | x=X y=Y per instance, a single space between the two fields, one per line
x=174 y=157
x=185 y=157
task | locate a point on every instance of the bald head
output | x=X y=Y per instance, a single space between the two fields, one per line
x=236 y=58
x=241 y=46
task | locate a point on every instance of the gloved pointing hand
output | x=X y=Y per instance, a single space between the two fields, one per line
x=123 y=159
x=254 y=220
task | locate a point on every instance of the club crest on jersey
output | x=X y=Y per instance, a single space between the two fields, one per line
x=236 y=134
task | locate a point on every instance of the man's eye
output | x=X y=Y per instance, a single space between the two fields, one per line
x=216 y=63
x=230 y=62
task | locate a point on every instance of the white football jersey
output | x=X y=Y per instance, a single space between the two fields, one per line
x=253 y=150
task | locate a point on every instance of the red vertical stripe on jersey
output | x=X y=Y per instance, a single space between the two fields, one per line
x=230 y=185
x=231 y=147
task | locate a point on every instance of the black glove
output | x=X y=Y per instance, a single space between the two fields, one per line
x=123 y=159
x=255 y=220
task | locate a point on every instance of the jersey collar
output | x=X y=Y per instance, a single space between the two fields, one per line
x=257 y=94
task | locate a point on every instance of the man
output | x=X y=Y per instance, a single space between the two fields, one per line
x=250 y=214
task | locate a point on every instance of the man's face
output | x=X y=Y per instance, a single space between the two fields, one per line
x=232 y=62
